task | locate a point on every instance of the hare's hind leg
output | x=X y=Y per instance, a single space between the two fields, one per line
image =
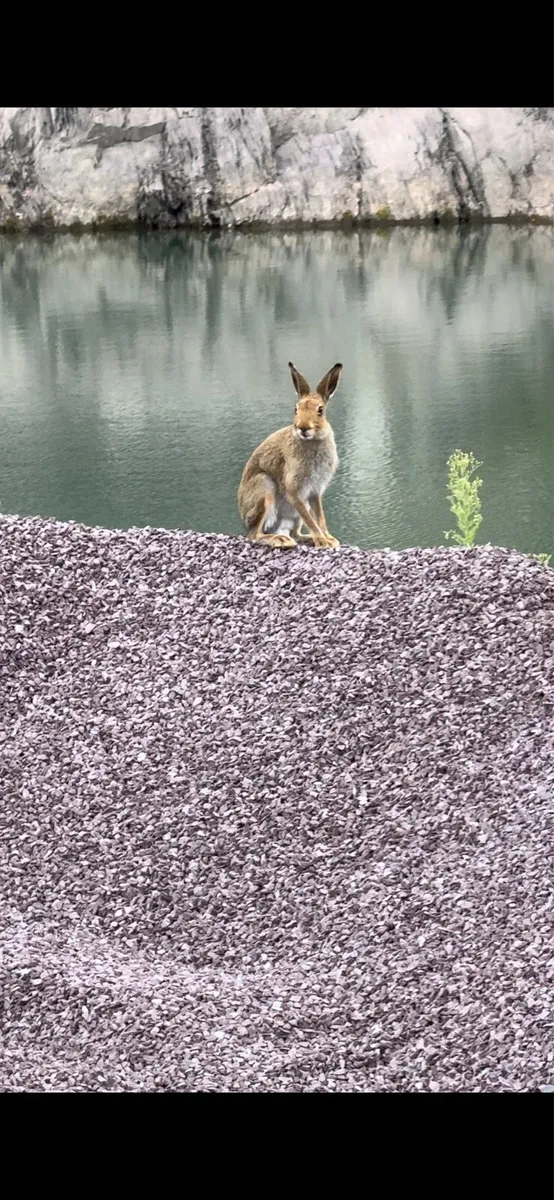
x=265 y=512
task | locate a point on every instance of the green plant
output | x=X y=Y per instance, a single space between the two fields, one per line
x=542 y=558
x=463 y=494
x=383 y=214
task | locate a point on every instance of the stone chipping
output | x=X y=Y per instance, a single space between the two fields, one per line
x=273 y=821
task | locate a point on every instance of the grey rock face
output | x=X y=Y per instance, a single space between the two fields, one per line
x=242 y=166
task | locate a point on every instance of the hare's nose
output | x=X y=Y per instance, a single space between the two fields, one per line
x=305 y=432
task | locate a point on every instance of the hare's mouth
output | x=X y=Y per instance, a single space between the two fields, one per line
x=305 y=434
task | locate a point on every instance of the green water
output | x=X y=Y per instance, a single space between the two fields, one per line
x=137 y=373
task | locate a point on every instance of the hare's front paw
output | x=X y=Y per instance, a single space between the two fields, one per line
x=326 y=542
x=281 y=541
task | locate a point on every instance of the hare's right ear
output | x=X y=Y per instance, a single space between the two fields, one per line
x=330 y=382
x=301 y=385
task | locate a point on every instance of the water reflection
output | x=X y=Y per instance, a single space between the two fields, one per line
x=137 y=373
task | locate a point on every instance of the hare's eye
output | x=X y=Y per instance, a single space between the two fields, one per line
x=320 y=410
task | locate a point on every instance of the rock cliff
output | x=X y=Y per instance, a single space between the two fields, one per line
x=166 y=167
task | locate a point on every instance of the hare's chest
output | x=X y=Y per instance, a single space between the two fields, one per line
x=319 y=472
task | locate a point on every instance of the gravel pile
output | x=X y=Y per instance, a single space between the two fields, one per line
x=273 y=821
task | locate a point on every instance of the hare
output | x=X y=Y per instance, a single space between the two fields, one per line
x=286 y=476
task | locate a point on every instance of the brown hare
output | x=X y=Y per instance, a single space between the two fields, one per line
x=286 y=476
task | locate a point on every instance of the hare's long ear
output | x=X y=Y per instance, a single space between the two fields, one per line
x=301 y=385
x=329 y=383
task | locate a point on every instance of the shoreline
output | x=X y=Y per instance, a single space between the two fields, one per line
x=109 y=225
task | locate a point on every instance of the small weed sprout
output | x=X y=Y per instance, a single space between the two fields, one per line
x=463 y=495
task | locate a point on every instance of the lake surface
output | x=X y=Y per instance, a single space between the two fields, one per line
x=138 y=372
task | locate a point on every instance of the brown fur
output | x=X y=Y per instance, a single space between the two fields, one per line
x=284 y=479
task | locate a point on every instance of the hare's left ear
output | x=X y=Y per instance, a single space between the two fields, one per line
x=301 y=385
x=329 y=383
